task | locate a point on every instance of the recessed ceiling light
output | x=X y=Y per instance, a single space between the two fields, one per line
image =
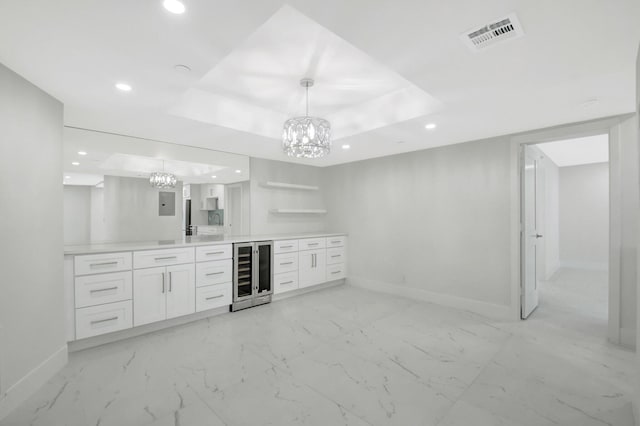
x=82 y=152
x=67 y=177
x=346 y=146
x=75 y=163
x=174 y=6
x=213 y=177
x=123 y=87
x=182 y=68
x=430 y=126
x=238 y=171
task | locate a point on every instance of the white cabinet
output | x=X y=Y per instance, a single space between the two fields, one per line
x=217 y=252
x=208 y=194
x=285 y=282
x=312 y=243
x=163 y=293
x=99 y=289
x=312 y=266
x=213 y=296
x=101 y=319
x=338 y=241
x=101 y=263
x=164 y=257
x=214 y=272
x=335 y=255
x=285 y=246
x=285 y=262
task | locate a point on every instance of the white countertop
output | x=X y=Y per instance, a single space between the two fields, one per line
x=200 y=240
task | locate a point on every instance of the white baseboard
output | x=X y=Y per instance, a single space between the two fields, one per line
x=628 y=337
x=32 y=381
x=590 y=266
x=499 y=312
x=305 y=290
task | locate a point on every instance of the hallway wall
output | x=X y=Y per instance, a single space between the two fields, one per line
x=584 y=216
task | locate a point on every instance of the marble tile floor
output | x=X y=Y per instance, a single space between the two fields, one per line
x=343 y=356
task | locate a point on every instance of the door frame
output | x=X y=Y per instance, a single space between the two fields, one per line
x=607 y=126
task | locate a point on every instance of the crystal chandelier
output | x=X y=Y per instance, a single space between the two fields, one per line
x=163 y=180
x=306 y=137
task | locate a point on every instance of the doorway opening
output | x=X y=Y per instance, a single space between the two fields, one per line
x=565 y=233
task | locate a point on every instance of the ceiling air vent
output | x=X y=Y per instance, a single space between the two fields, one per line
x=492 y=33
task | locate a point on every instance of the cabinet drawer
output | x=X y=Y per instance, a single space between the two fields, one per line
x=338 y=241
x=99 y=289
x=153 y=258
x=213 y=296
x=285 y=282
x=336 y=272
x=285 y=246
x=335 y=255
x=99 y=263
x=286 y=262
x=96 y=320
x=312 y=243
x=215 y=272
x=217 y=252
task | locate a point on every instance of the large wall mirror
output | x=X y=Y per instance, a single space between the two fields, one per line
x=108 y=196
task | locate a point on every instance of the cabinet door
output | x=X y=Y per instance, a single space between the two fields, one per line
x=149 y=301
x=181 y=290
x=312 y=267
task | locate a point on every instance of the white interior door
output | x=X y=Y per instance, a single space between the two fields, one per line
x=233 y=211
x=529 y=235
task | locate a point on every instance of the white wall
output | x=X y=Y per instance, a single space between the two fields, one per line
x=198 y=217
x=131 y=211
x=77 y=214
x=32 y=328
x=435 y=222
x=263 y=199
x=584 y=216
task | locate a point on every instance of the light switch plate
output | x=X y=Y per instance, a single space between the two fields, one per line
x=166 y=203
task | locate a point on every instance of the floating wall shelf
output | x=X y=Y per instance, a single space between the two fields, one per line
x=298 y=211
x=290 y=186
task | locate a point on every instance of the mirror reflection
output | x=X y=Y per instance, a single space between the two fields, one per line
x=121 y=188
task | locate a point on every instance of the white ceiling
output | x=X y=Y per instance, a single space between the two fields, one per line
x=351 y=90
x=578 y=151
x=572 y=51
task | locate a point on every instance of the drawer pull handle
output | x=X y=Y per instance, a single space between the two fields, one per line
x=103 y=320
x=286 y=263
x=286 y=246
x=215 y=273
x=286 y=282
x=336 y=272
x=215 y=297
x=166 y=258
x=211 y=253
x=103 y=289
x=337 y=255
x=313 y=244
x=103 y=264
x=335 y=241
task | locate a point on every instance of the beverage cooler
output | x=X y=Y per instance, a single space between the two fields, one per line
x=252 y=274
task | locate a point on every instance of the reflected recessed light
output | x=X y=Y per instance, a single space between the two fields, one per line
x=67 y=177
x=430 y=126
x=123 y=87
x=238 y=171
x=346 y=146
x=82 y=152
x=213 y=177
x=182 y=68
x=174 y=6
x=75 y=163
